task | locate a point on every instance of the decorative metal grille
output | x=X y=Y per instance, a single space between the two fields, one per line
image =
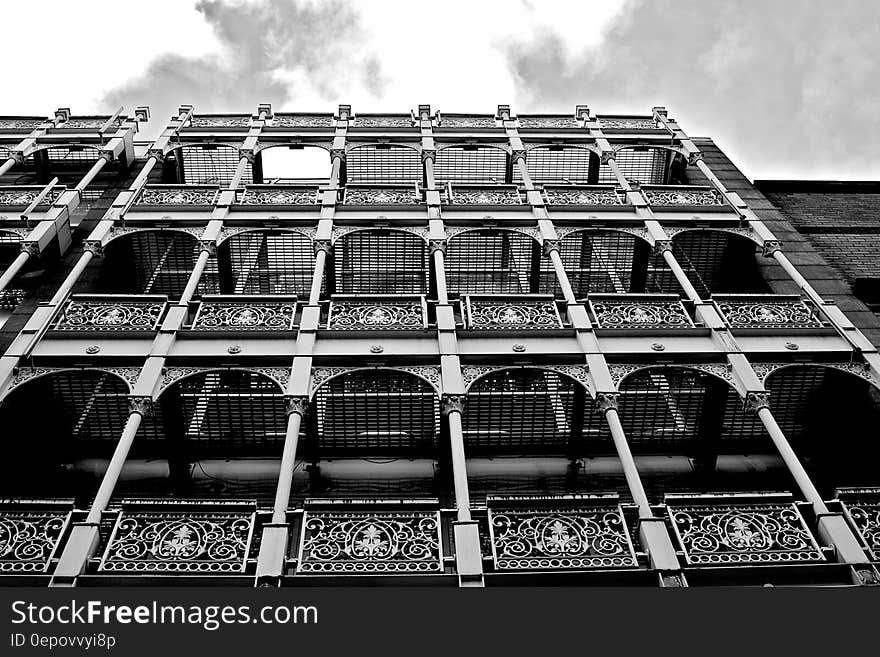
x=29 y=538
x=491 y=262
x=687 y=196
x=767 y=312
x=573 y=195
x=383 y=121
x=88 y=122
x=178 y=195
x=165 y=541
x=109 y=315
x=862 y=507
x=220 y=121
x=466 y=121
x=471 y=164
x=370 y=543
x=496 y=195
x=302 y=121
x=383 y=164
x=556 y=164
x=626 y=123
x=560 y=538
x=26 y=195
x=643 y=165
x=278 y=195
x=228 y=315
x=507 y=313
x=639 y=313
x=23 y=124
x=381 y=261
x=382 y=195
x=539 y=122
x=732 y=533
x=377 y=314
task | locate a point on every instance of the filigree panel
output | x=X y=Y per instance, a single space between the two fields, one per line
x=242 y=121
x=241 y=316
x=538 y=122
x=560 y=539
x=179 y=542
x=302 y=121
x=768 y=313
x=384 y=315
x=26 y=195
x=279 y=196
x=640 y=314
x=404 y=195
x=499 y=314
x=391 y=121
x=862 y=507
x=447 y=121
x=682 y=196
x=23 y=124
x=170 y=375
x=370 y=543
x=110 y=316
x=581 y=196
x=499 y=195
x=29 y=539
x=627 y=123
x=733 y=534
x=190 y=195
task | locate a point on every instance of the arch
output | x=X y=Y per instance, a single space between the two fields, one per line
x=380 y=261
x=26 y=376
x=263 y=146
x=718 y=261
x=472 y=164
x=176 y=375
x=384 y=163
x=76 y=146
x=303 y=163
x=266 y=261
x=330 y=373
x=192 y=163
x=489 y=371
x=493 y=261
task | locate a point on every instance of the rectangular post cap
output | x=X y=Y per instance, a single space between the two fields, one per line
x=62 y=113
x=425 y=110
x=344 y=112
x=265 y=107
x=502 y=110
x=142 y=113
x=581 y=112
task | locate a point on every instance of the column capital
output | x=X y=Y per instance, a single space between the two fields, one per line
x=158 y=153
x=31 y=248
x=337 y=153
x=296 y=404
x=606 y=401
x=247 y=153
x=452 y=404
x=550 y=246
x=518 y=154
x=429 y=154
x=140 y=404
x=437 y=245
x=209 y=245
x=322 y=245
x=770 y=247
x=95 y=247
x=755 y=401
x=662 y=246
x=107 y=156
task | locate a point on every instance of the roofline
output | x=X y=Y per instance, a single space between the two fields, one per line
x=828 y=186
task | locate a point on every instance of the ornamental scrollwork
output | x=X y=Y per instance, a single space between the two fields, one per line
x=95 y=247
x=26 y=195
x=733 y=534
x=640 y=314
x=770 y=247
x=279 y=196
x=404 y=195
x=560 y=539
x=31 y=248
x=86 y=123
x=109 y=316
x=220 y=121
x=302 y=121
x=452 y=404
x=363 y=315
x=298 y=405
x=544 y=122
x=772 y=313
x=485 y=195
x=23 y=124
x=755 y=401
x=29 y=538
x=466 y=122
x=685 y=196
x=370 y=543
x=496 y=314
x=156 y=542
x=864 y=515
x=581 y=196
x=627 y=123
x=606 y=401
x=140 y=404
x=401 y=121
x=241 y=316
x=470 y=373
x=194 y=195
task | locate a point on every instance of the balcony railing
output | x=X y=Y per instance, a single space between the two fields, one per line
x=245 y=313
x=383 y=121
x=627 y=123
x=639 y=311
x=547 y=122
x=111 y=313
x=511 y=312
x=564 y=533
x=30 y=533
x=393 y=313
x=220 y=121
x=683 y=196
x=756 y=311
x=272 y=195
x=182 y=196
x=171 y=537
x=363 y=538
x=466 y=121
x=382 y=195
x=582 y=195
x=23 y=195
x=862 y=508
x=730 y=530
x=492 y=195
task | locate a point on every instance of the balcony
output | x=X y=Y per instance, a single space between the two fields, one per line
x=484 y=195
x=583 y=196
x=370 y=195
x=367 y=313
x=21 y=196
x=639 y=311
x=774 y=312
x=111 y=313
x=255 y=313
x=182 y=197
x=862 y=509
x=734 y=530
x=505 y=313
x=269 y=196
x=30 y=533
x=360 y=537
x=686 y=198
x=571 y=532
x=174 y=537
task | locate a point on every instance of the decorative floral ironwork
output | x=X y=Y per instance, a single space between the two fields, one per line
x=498 y=314
x=26 y=195
x=581 y=195
x=537 y=122
x=862 y=507
x=731 y=534
x=163 y=542
x=28 y=539
x=366 y=315
x=447 y=121
x=391 y=121
x=768 y=313
x=220 y=121
x=404 y=195
x=627 y=123
x=554 y=539
x=242 y=316
x=302 y=121
x=497 y=195
x=110 y=316
x=672 y=196
x=183 y=195
x=87 y=122
x=23 y=124
x=640 y=314
x=10 y=298
x=275 y=195
x=370 y=543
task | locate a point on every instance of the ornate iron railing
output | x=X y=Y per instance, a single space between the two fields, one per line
x=466 y=121
x=383 y=121
x=538 y=122
x=245 y=313
x=460 y=194
x=397 y=313
x=766 y=311
x=23 y=123
x=511 y=312
x=178 y=195
x=582 y=195
x=30 y=532
x=302 y=121
x=220 y=121
x=627 y=123
x=637 y=311
x=369 y=538
x=862 y=508
x=730 y=530
x=111 y=313
x=670 y=196
x=24 y=195
x=278 y=195
x=565 y=533
x=171 y=537
x=382 y=195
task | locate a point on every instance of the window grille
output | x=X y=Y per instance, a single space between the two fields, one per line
x=647 y=166
x=556 y=165
x=491 y=262
x=266 y=262
x=381 y=262
x=383 y=163
x=471 y=164
x=208 y=165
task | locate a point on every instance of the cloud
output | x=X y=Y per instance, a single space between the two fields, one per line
x=288 y=52
x=787 y=88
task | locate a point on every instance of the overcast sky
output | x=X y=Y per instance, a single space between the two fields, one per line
x=788 y=88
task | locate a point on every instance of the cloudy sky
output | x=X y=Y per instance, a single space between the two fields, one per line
x=788 y=88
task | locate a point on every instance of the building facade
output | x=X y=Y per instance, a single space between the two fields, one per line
x=294 y=349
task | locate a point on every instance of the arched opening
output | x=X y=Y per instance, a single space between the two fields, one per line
x=293 y=164
x=380 y=261
x=718 y=262
x=490 y=261
x=204 y=164
x=266 y=262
